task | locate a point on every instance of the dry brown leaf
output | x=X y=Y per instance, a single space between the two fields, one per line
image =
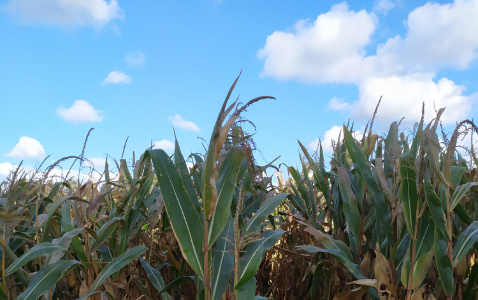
x=353 y=294
x=418 y=293
x=383 y=274
x=367 y=264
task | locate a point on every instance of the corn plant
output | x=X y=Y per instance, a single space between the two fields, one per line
x=400 y=207
x=209 y=221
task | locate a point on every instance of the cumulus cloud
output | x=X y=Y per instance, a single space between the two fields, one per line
x=135 y=59
x=402 y=96
x=98 y=163
x=328 y=50
x=178 y=121
x=6 y=169
x=383 y=6
x=332 y=49
x=115 y=77
x=439 y=35
x=338 y=104
x=164 y=144
x=27 y=147
x=65 y=13
x=329 y=136
x=80 y=111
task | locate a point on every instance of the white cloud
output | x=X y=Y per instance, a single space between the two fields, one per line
x=27 y=147
x=330 y=135
x=135 y=59
x=383 y=6
x=333 y=50
x=164 y=144
x=115 y=77
x=80 y=111
x=178 y=121
x=6 y=169
x=402 y=96
x=338 y=104
x=328 y=50
x=65 y=13
x=439 y=35
x=98 y=163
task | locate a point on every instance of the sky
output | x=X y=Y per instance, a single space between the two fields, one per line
x=142 y=70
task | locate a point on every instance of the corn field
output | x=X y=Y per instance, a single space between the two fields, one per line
x=391 y=216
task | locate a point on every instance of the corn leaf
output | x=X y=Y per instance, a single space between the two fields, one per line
x=339 y=255
x=183 y=170
x=185 y=221
x=248 y=290
x=223 y=261
x=384 y=227
x=460 y=192
x=36 y=251
x=436 y=208
x=155 y=277
x=117 y=264
x=254 y=224
x=249 y=263
x=350 y=205
x=45 y=279
x=444 y=264
x=226 y=185
x=465 y=242
x=105 y=231
x=408 y=193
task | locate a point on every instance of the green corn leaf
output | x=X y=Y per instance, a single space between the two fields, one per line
x=318 y=173
x=45 y=279
x=183 y=170
x=444 y=264
x=223 y=261
x=249 y=263
x=420 y=269
x=460 y=192
x=302 y=190
x=327 y=241
x=436 y=208
x=254 y=224
x=226 y=185
x=432 y=147
x=417 y=140
x=117 y=264
x=63 y=241
x=425 y=235
x=36 y=251
x=470 y=292
x=350 y=205
x=339 y=255
x=248 y=290
x=408 y=193
x=218 y=137
x=465 y=242
x=384 y=222
x=185 y=221
x=392 y=150
x=52 y=208
x=86 y=296
x=155 y=277
x=177 y=282
x=105 y=231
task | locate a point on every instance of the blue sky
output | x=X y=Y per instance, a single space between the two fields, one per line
x=137 y=68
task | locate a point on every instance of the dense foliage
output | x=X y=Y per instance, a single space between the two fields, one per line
x=390 y=217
